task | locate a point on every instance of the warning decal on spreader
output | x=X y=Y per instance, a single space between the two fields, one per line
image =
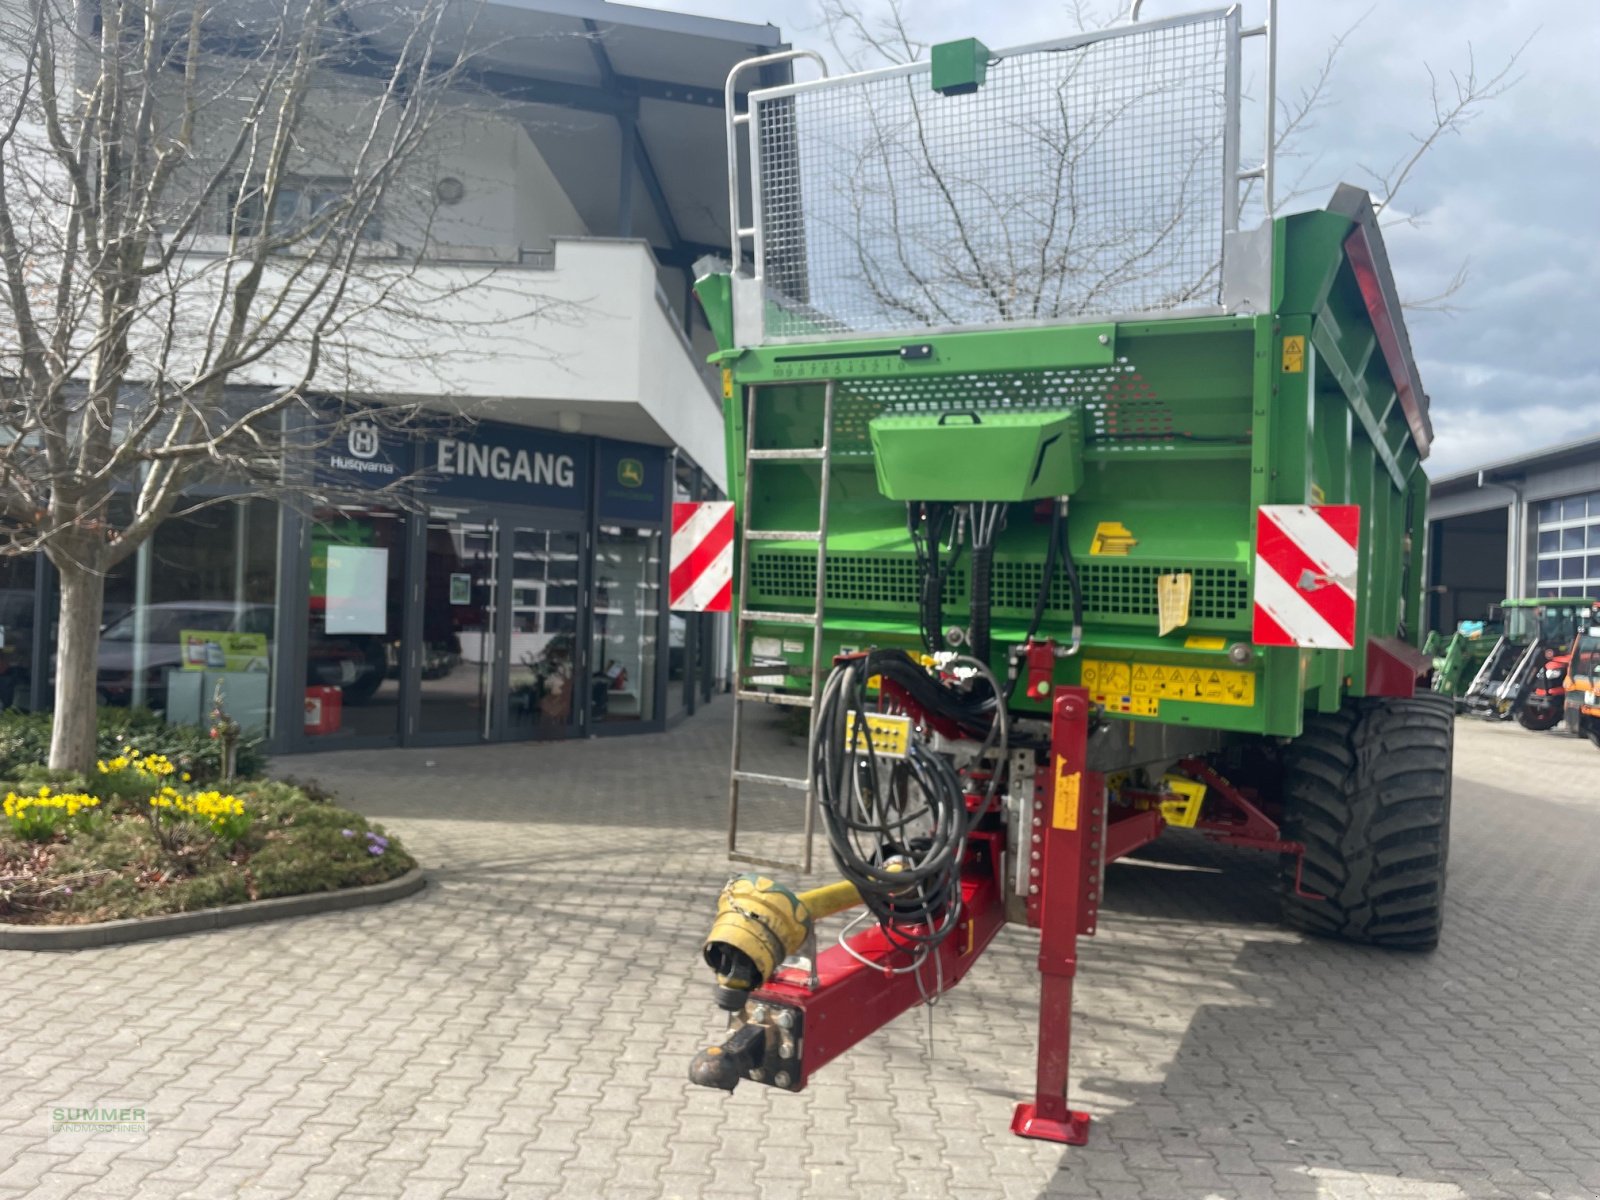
x=890 y=734
x=1064 y=814
x=1139 y=688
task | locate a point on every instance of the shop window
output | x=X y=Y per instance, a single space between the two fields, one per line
x=627 y=605
x=357 y=577
x=194 y=609
x=16 y=629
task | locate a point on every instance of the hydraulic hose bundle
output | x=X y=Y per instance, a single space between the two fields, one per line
x=898 y=826
x=932 y=526
x=1058 y=552
x=986 y=519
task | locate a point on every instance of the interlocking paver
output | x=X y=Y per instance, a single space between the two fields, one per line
x=522 y=1028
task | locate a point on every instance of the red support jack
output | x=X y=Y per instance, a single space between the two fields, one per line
x=1068 y=839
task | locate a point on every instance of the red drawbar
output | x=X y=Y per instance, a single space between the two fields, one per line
x=854 y=999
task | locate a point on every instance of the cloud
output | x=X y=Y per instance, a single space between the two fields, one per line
x=1513 y=195
x=1465 y=438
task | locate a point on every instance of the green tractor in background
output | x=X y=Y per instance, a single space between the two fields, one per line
x=1517 y=660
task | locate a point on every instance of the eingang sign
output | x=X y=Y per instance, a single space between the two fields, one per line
x=506 y=464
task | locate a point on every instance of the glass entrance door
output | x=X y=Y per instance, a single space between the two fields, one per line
x=501 y=624
x=543 y=656
x=460 y=630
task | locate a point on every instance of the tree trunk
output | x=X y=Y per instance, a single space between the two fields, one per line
x=73 y=732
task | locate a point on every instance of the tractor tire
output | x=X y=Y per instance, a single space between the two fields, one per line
x=1538 y=720
x=1367 y=792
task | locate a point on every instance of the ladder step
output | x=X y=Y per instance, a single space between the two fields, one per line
x=778 y=618
x=786 y=455
x=787 y=781
x=789 y=698
x=782 y=535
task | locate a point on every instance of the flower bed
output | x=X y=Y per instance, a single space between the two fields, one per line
x=143 y=836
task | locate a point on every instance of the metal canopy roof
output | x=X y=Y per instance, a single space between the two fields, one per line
x=589 y=79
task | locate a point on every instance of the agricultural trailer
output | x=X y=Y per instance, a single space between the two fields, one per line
x=1079 y=497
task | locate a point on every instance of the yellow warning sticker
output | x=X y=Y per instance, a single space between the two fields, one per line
x=1065 y=813
x=1112 y=538
x=889 y=734
x=727 y=384
x=1197 y=641
x=1294 y=355
x=1139 y=688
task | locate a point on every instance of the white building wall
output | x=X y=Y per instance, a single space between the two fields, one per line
x=587 y=339
x=465 y=321
x=512 y=201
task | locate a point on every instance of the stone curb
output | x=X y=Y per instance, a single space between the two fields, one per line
x=138 y=929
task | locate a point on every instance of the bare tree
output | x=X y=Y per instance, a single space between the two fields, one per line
x=196 y=194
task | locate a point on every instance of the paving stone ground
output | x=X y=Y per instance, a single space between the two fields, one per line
x=523 y=1027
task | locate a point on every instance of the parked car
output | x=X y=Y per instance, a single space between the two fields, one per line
x=356 y=664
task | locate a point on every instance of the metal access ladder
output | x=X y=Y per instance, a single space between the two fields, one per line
x=745 y=694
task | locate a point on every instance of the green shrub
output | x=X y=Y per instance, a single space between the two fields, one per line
x=128 y=863
x=25 y=743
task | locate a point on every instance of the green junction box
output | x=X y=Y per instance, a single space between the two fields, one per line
x=975 y=455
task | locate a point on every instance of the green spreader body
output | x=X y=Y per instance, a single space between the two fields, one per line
x=1166 y=435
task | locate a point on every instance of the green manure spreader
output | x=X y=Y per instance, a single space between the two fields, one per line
x=1079 y=495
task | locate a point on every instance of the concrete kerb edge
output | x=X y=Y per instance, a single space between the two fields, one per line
x=138 y=929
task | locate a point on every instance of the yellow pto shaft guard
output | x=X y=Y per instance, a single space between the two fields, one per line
x=760 y=923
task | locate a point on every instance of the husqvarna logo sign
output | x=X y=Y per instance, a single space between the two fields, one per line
x=363 y=439
x=363 y=445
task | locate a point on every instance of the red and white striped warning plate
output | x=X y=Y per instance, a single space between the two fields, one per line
x=701 y=579
x=1306 y=575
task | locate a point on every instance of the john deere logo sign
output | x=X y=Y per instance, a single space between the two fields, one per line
x=630 y=473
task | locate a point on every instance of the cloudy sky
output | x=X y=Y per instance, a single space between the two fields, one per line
x=1515 y=197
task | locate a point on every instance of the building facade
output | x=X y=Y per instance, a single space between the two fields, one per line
x=520 y=591
x=1525 y=526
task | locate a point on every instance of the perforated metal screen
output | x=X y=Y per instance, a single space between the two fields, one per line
x=1087 y=178
x=1116 y=593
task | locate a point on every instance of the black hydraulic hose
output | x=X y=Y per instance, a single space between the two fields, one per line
x=898 y=829
x=982 y=586
x=1047 y=580
x=926 y=523
x=1072 y=582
